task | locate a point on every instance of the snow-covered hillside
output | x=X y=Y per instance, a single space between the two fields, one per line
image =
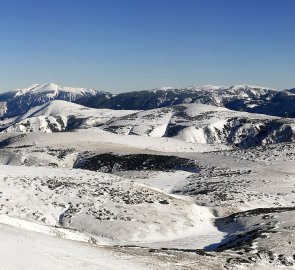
x=17 y=102
x=227 y=184
x=26 y=249
x=281 y=104
x=105 y=207
x=61 y=115
x=194 y=123
x=198 y=123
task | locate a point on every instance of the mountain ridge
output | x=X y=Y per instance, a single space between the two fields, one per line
x=230 y=97
x=19 y=101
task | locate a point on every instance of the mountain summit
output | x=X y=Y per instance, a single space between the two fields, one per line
x=52 y=89
x=21 y=100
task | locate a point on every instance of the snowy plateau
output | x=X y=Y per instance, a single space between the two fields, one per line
x=170 y=178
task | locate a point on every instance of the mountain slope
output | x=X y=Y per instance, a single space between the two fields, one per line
x=109 y=208
x=198 y=123
x=61 y=115
x=281 y=104
x=233 y=97
x=20 y=101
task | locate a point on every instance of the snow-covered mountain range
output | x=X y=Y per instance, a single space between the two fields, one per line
x=233 y=97
x=169 y=178
x=240 y=97
x=200 y=116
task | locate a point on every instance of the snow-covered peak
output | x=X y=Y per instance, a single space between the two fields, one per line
x=53 y=89
x=54 y=108
x=22 y=91
x=17 y=102
x=37 y=88
x=47 y=87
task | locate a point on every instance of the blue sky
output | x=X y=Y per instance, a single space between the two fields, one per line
x=122 y=45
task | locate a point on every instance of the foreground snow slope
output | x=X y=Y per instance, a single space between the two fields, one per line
x=229 y=182
x=27 y=250
x=106 y=207
x=102 y=141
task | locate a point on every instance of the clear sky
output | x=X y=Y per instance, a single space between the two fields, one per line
x=122 y=45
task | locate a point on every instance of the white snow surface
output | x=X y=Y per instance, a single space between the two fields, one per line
x=94 y=204
x=202 y=124
x=96 y=139
x=28 y=250
x=54 y=116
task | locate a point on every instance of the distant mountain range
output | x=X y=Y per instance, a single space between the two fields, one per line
x=234 y=97
x=239 y=97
